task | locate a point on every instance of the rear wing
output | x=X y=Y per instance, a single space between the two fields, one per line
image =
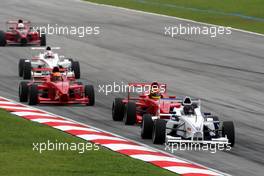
x=13 y=24
x=142 y=88
x=16 y=22
x=180 y=99
x=44 y=48
x=49 y=71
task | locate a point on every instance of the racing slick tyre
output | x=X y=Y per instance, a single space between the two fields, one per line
x=23 y=91
x=21 y=67
x=228 y=130
x=27 y=70
x=216 y=125
x=147 y=127
x=76 y=69
x=131 y=114
x=43 y=40
x=33 y=95
x=2 y=38
x=89 y=92
x=159 y=131
x=118 y=109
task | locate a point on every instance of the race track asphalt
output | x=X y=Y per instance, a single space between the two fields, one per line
x=226 y=72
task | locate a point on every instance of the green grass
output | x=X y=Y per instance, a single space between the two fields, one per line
x=17 y=157
x=220 y=12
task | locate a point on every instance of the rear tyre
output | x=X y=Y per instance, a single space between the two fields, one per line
x=147 y=127
x=76 y=69
x=89 y=92
x=118 y=109
x=23 y=91
x=27 y=70
x=21 y=67
x=43 y=40
x=159 y=131
x=33 y=95
x=228 y=130
x=131 y=114
x=2 y=38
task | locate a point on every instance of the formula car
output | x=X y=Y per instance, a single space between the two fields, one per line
x=134 y=108
x=20 y=32
x=56 y=88
x=42 y=64
x=187 y=124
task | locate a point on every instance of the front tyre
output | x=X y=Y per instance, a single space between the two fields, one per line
x=2 y=38
x=118 y=109
x=147 y=127
x=21 y=67
x=33 y=95
x=159 y=131
x=23 y=91
x=76 y=69
x=89 y=92
x=216 y=125
x=27 y=70
x=131 y=114
x=228 y=130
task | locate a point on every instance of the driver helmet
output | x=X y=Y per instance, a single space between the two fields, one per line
x=48 y=48
x=155 y=91
x=56 y=76
x=49 y=54
x=20 y=26
x=188 y=108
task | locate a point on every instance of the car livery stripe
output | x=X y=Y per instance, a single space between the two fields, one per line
x=108 y=140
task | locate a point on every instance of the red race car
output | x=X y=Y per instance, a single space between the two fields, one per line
x=20 y=32
x=149 y=103
x=56 y=89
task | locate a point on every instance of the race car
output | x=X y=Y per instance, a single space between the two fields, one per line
x=56 y=88
x=42 y=64
x=187 y=124
x=20 y=32
x=133 y=108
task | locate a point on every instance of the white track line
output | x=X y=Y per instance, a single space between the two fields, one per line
x=67 y=128
x=91 y=137
x=24 y=113
x=44 y=120
x=117 y=147
x=149 y=158
x=15 y=108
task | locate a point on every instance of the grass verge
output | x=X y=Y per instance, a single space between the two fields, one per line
x=18 y=158
x=242 y=14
